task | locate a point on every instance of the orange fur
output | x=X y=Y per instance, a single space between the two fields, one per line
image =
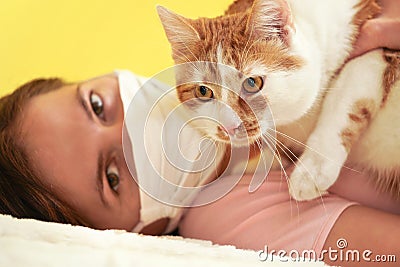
x=227 y=31
x=392 y=72
x=367 y=9
x=239 y=6
x=388 y=181
x=359 y=118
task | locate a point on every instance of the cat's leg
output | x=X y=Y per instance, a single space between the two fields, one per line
x=351 y=102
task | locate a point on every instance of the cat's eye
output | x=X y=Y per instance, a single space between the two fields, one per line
x=253 y=84
x=203 y=93
x=97 y=104
x=112 y=178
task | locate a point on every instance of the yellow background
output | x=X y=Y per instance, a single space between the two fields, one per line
x=78 y=39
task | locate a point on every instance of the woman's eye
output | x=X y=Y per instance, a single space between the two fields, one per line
x=97 y=104
x=203 y=93
x=253 y=84
x=113 y=179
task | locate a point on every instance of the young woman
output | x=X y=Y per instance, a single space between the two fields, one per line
x=62 y=160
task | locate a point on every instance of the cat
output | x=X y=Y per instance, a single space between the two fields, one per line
x=328 y=112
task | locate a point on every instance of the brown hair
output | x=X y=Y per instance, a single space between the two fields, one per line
x=22 y=194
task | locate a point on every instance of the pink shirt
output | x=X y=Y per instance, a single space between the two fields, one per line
x=270 y=217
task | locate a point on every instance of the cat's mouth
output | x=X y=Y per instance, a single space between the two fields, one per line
x=238 y=136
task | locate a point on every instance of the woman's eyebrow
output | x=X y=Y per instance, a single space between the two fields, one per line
x=99 y=179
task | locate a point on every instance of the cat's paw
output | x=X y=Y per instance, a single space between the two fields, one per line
x=312 y=177
x=302 y=185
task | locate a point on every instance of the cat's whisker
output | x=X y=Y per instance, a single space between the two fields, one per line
x=280 y=145
x=214 y=162
x=284 y=148
x=296 y=162
x=275 y=152
x=293 y=139
x=201 y=173
x=246 y=52
x=242 y=55
x=216 y=144
x=260 y=147
x=276 y=155
x=282 y=170
x=312 y=149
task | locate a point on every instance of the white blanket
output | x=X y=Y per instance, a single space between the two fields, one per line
x=26 y=242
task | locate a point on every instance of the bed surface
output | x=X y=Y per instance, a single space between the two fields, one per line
x=26 y=242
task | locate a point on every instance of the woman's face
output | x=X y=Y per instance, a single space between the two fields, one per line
x=73 y=137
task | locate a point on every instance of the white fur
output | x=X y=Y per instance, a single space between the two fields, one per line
x=325 y=25
x=321 y=162
x=322 y=40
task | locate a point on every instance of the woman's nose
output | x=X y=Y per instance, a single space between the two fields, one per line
x=111 y=133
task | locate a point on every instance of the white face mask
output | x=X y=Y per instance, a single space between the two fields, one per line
x=172 y=160
x=166 y=158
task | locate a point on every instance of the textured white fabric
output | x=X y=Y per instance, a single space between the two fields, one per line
x=27 y=242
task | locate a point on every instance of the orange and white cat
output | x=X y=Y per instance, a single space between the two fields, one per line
x=292 y=55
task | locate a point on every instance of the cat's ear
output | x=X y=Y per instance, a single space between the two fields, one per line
x=177 y=28
x=270 y=18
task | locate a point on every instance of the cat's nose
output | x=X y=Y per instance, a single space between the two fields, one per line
x=232 y=130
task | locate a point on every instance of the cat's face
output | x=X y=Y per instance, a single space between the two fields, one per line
x=228 y=103
x=240 y=68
